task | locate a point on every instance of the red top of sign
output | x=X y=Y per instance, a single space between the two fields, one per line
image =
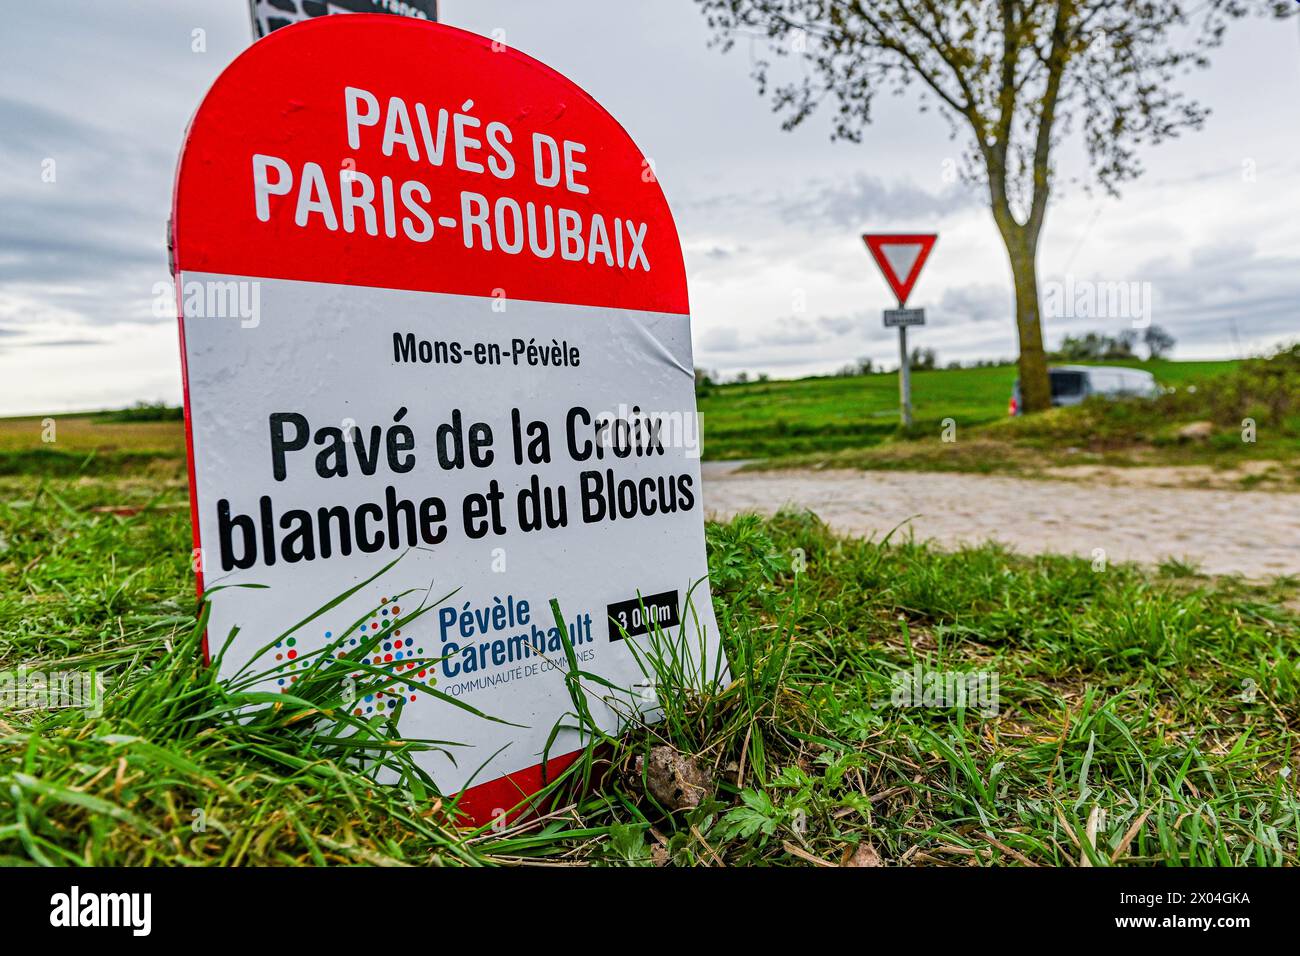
x=900 y=257
x=285 y=100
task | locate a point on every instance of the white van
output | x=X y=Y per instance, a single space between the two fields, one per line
x=1071 y=384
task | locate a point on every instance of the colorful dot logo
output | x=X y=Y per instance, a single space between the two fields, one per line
x=387 y=649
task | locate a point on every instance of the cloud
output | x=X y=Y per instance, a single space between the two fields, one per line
x=722 y=254
x=793 y=331
x=855 y=201
x=82 y=235
x=794 y=340
x=846 y=203
x=841 y=324
x=980 y=302
x=62 y=342
x=1212 y=294
x=74 y=215
x=721 y=339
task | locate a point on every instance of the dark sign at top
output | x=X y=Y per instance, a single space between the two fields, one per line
x=269 y=15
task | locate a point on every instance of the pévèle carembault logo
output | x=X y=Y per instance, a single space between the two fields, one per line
x=78 y=909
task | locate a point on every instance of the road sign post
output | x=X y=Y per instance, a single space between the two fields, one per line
x=900 y=258
x=904 y=378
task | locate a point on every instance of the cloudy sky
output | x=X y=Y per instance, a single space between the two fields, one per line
x=95 y=96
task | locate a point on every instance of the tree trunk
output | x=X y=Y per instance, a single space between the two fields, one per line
x=1035 y=388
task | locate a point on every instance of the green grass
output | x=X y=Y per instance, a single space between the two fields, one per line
x=819 y=415
x=1159 y=699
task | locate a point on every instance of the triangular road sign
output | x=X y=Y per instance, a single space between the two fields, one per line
x=900 y=258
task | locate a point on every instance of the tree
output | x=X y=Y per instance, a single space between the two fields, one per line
x=1159 y=343
x=923 y=360
x=1098 y=346
x=1083 y=348
x=862 y=366
x=1121 y=345
x=1013 y=77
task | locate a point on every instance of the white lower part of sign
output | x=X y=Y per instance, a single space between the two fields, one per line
x=507 y=453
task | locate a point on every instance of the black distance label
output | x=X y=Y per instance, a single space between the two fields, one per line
x=640 y=614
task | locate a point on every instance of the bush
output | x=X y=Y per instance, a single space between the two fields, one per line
x=146 y=412
x=1265 y=389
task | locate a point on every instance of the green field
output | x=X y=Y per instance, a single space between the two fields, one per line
x=802 y=416
x=89 y=444
x=1153 y=709
x=850 y=421
x=961 y=424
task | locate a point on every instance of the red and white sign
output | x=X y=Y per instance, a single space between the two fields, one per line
x=434 y=309
x=900 y=258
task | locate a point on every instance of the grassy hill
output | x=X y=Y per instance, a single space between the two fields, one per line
x=842 y=422
x=770 y=419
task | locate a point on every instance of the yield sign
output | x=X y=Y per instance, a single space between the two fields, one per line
x=900 y=258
